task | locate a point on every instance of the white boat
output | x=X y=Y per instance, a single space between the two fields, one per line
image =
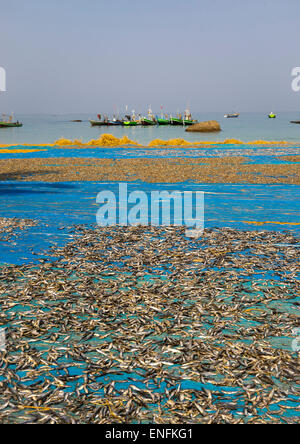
x=232 y=116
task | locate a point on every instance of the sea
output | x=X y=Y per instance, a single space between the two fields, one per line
x=39 y=129
x=240 y=206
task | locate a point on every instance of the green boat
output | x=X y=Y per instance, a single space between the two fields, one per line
x=272 y=116
x=10 y=124
x=163 y=121
x=189 y=122
x=130 y=123
x=8 y=121
x=147 y=122
x=176 y=121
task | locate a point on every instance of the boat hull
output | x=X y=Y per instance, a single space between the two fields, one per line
x=114 y=123
x=190 y=122
x=176 y=122
x=130 y=123
x=163 y=121
x=10 y=125
x=147 y=122
x=98 y=123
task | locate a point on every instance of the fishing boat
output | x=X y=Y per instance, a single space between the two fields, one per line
x=10 y=124
x=149 y=120
x=232 y=116
x=7 y=122
x=105 y=121
x=187 y=118
x=131 y=120
x=296 y=121
x=164 y=118
x=114 y=122
x=189 y=122
x=272 y=116
x=176 y=120
x=98 y=123
x=130 y=123
x=162 y=121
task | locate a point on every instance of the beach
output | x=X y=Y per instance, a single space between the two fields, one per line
x=142 y=324
x=149 y=215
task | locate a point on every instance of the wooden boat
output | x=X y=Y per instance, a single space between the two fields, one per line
x=98 y=122
x=7 y=122
x=150 y=120
x=114 y=122
x=163 y=121
x=106 y=122
x=130 y=123
x=147 y=122
x=10 y=124
x=189 y=122
x=296 y=121
x=187 y=118
x=176 y=121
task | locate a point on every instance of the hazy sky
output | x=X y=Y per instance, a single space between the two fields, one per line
x=91 y=56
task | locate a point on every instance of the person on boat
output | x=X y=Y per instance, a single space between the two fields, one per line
x=150 y=114
x=187 y=115
x=99 y=116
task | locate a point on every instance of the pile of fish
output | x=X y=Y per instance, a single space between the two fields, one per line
x=226 y=169
x=145 y=325
x=10 y=226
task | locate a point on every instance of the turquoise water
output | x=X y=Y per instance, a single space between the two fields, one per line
x=248 y=127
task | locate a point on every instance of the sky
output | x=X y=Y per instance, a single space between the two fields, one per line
x=74 y=56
